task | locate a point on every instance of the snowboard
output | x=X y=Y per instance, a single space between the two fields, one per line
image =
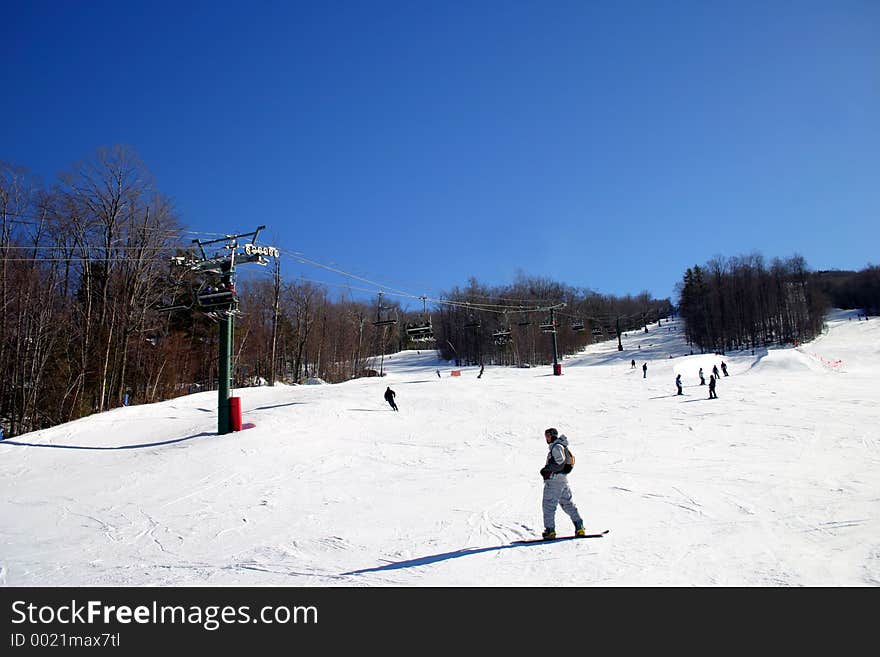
x=560 y=538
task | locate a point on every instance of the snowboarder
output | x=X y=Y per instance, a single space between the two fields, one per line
x=702 y=380
x=645 y=371
x=556 y=490
x=712 y=394
x=632 y=364
x=678 y=383
x=389 y=397
x=724 y=367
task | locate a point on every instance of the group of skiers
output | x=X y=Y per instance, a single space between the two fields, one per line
x=713 y=379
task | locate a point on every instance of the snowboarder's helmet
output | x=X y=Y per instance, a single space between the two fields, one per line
x=551 y=432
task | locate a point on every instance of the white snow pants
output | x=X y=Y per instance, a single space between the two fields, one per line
x=556 y=491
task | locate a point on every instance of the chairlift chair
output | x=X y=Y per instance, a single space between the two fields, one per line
x=168 y=304
x=216 y=298
x=422 y=331
x=387 y=320
x=501 y=337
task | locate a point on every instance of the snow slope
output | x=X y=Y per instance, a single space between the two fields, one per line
x=777 y=482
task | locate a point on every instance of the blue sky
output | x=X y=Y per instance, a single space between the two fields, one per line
x=607 y=145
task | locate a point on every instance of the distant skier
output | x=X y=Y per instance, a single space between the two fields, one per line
x=481 y=370
x=715 y=371
x=438 y=374
x=632 y=364
x=702 y=380
x=556 y=490
x=724 y=367
x=712 y=394
x=389 y=397
x=678 y=383
x=645 y=371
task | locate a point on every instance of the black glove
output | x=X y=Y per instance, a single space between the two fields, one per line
x=545 y=472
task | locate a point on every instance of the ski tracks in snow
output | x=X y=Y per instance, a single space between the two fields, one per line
x=482 y=528
x=202 y=489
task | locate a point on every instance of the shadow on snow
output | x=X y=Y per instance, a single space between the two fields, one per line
x=445 y=556
x=263 y=408
x=140 y=446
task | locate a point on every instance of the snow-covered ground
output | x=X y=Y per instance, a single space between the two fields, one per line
x=777 y=482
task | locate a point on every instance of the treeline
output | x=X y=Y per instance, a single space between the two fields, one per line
x=512 y=324
x=741 y=303
x=851 y=289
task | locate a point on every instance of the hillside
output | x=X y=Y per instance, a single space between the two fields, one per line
x=774 y=483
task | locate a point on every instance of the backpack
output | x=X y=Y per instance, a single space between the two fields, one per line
x=569 y=461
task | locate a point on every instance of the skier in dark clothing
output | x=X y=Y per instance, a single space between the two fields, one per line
x=702 y=380
x=481 y=371
x=632 y=364
x=715 y=371
x=724 y=368
x=712 y=394
x=389 y=397
x=645 y=371
x=678 y=384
